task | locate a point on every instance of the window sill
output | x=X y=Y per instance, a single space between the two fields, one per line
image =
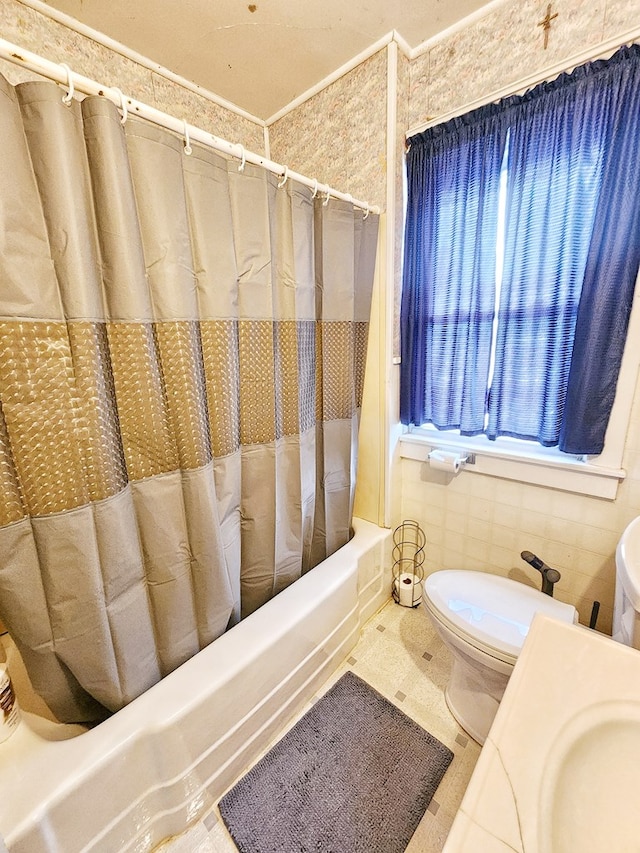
x=540 y=466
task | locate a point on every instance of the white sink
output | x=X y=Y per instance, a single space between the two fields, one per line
x=593 y=783
x=560 y=770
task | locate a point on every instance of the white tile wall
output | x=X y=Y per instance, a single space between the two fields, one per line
x=484 y=523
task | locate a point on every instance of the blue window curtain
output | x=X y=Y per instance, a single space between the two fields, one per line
x=571 y=256
x=612 y=264
x=448 y=300
x=554 y=176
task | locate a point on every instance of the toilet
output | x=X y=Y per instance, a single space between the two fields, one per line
x=626 y=605
x=483 y=619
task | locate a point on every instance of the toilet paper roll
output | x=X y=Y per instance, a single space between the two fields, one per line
x=443 y=460
x=408 y=587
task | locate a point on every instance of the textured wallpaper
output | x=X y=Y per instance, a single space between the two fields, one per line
x=402 y=118
x=35 y=32
x=339 y=135
x=506 y=46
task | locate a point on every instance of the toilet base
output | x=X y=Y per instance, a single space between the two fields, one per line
x=473 y=697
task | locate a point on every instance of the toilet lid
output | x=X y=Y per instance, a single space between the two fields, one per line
x=490 y=612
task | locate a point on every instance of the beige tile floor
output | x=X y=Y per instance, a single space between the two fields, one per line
x=400 y=655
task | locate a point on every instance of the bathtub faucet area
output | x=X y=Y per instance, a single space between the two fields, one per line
x=549 y=576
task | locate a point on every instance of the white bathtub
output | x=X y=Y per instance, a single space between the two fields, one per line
x=161 y=762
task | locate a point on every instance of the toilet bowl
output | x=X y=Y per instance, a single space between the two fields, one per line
x=483 y=619
x=626 y=606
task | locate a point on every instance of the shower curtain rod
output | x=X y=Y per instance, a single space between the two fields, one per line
x=63 y=75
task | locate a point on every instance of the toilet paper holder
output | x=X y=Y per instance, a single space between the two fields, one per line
x=450 y=459
x=408 y=558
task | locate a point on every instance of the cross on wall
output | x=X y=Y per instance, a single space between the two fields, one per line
x=545 y=23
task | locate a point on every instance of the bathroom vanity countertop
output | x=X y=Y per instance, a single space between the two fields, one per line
x=560 y=770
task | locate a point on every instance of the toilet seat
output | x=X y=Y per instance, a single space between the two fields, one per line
x=489 y=612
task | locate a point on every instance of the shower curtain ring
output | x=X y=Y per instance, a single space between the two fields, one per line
x=243 y=160
x=285 y=177
x=315 y=188
x=123 y=104
x=326 y=198
x=188 y=150
x=366 y=214
x=66 y=99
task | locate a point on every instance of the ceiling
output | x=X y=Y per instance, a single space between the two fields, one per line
x=261 y=55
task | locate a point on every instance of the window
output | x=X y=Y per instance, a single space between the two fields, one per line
x=522 y=248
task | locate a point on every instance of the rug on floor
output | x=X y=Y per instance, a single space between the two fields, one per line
x=353 y=775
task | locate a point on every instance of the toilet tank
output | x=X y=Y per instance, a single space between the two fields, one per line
x=626 y=607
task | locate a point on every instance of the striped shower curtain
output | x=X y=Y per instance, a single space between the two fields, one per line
x=182 y=349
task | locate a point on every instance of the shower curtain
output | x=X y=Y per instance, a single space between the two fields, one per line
x=182 y=349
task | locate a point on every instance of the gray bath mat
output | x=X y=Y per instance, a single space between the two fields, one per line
x=354 y=775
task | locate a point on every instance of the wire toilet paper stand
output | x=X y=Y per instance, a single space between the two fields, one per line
x=408 y=559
